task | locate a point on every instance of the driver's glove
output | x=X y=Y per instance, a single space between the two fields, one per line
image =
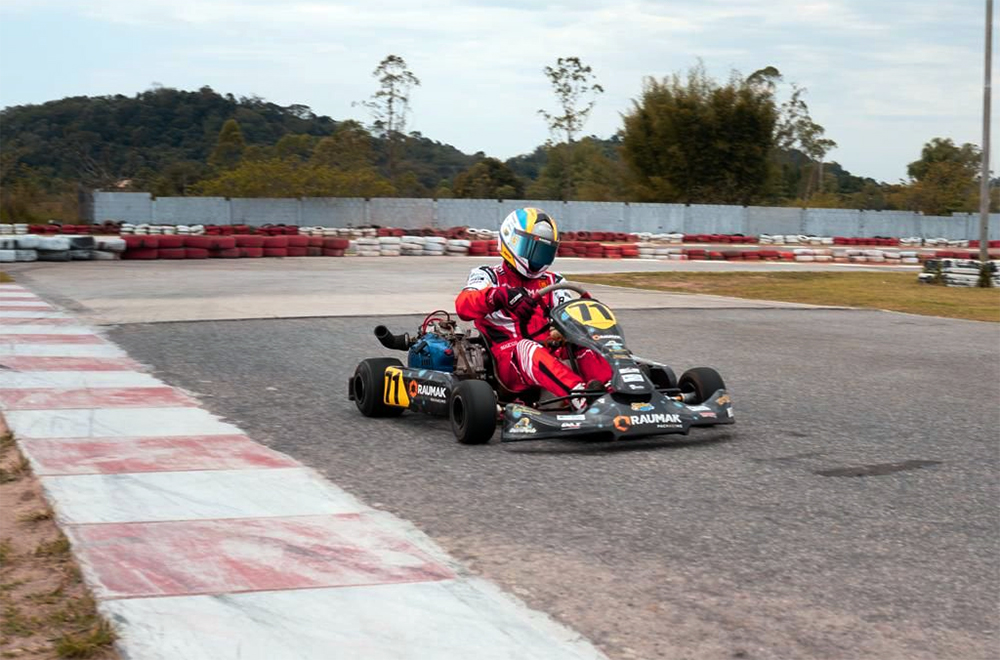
x=515 y=300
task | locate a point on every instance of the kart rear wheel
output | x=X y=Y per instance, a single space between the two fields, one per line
x=703 y=382
x=473 y=412
x=368 y=384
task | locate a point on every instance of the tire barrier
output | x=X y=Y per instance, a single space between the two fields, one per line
x=958 y=272
x=26 y=242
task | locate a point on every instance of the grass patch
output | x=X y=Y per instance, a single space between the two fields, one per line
x=5 y=278
x=45 y=609
x=57 y=548
x=36 y=516
x=899 y=292
x=88 y=643
x=20 y=468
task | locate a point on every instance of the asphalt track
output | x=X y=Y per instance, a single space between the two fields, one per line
x=850 y=513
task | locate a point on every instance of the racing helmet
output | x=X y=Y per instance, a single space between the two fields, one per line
x=528 y=241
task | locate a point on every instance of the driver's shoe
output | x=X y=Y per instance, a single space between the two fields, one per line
x=581 y=403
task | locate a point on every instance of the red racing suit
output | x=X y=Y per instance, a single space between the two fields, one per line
x=522 y=362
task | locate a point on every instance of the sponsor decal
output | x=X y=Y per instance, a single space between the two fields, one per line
x=642 y=407
x=722 y=400
x=636 y=387
x=430 y=391
x=699 y=408
x=524 y=427
x=633 y=378
x=571 y=425
x=571 y=418
x=629 y=370
x=661 y=420
x=708 y=415
x=518 y=409
x=601 y=337
x=729 y=411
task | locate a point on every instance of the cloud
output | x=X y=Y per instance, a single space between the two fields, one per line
x=882 y=77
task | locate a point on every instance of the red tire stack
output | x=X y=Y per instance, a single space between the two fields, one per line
x=249 y=245
x=482 y=248
x=335 y=247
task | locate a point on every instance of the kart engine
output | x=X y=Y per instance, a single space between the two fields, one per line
x=441 y=344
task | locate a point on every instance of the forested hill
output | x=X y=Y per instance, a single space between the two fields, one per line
x=102 y=140
x=174 y=142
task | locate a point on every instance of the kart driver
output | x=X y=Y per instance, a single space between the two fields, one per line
x=499 y=300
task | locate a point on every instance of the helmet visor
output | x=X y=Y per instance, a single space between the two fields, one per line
x=537 y=251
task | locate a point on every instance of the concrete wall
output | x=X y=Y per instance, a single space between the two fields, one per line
x=129 y=207
x=189 y=210
x=573 y=216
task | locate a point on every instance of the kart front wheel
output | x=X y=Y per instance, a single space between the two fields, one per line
x=473 y=412
x=368 y=386
x=703 y=382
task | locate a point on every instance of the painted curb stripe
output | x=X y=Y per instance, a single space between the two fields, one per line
x=38 y=327
x=116 y=422
x=17 y=296
x=76 y=379
x=61 y=350
x=29 y=364
x=201 y=495
x=68 y=320
x=50 y=339
x=215 y=556
x=31 y=314
x=47 y=398
x=13 y=310
x=64 y=456
x=443 y=620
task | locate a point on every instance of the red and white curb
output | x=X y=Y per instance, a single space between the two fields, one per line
x=200 y=543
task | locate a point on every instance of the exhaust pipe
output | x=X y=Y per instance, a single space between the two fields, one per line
x=389 y=340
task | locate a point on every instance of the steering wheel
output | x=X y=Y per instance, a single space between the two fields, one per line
x=558 y=286
x=563 y=286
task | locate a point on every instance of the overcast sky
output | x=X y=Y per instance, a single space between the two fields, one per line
x=883 y=76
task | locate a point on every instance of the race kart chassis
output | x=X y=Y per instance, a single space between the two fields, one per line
x=644 y=398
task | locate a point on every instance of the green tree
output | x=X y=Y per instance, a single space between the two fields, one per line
x=586 y=170
x=944 y=179
x=229 y=147
x=349 y=148
x=390 y=105
x=796 y=129
x=693 y=140
x=488 y=179
x=289 y=177
x=576 y=90
x=944 y=150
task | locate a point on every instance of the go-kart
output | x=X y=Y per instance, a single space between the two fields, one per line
x=449 y=373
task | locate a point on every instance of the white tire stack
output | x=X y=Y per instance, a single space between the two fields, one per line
x=646 y=250
x=434 y=246
x=389 y=246
x=667 y=252
x=909 y=257
x=457 y=247
x=411 y=246
x=6 y=230
x=804 y=254
x=367 y=246
x=874 y=256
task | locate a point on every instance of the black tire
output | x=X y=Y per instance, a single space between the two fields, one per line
x=703 y=381
x=368 y=384
x=473 y=412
